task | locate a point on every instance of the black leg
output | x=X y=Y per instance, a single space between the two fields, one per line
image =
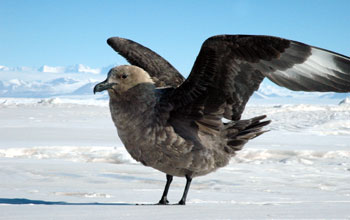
x=187 y=187
x=164 y=200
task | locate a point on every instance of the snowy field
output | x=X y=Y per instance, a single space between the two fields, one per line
x=62 y=159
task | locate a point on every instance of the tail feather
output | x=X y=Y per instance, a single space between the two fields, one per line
x=240 y=132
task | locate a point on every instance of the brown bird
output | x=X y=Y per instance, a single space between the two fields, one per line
x=175 y=125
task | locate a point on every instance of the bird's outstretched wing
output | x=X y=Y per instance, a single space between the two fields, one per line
x=161 y=71
x=229 y=68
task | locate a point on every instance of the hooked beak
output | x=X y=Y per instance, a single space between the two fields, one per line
x=103 y=86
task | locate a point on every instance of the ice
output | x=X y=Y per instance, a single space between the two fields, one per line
x=60 y=158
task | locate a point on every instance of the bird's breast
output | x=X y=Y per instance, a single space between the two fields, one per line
x=154 y=142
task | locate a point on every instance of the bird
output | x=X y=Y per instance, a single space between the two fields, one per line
x=192 y=127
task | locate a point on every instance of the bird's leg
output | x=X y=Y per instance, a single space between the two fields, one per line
x=164 y=200
x=187 y=187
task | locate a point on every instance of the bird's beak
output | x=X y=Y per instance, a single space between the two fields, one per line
x=103 y=86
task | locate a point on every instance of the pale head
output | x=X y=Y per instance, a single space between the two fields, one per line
x=121 y=78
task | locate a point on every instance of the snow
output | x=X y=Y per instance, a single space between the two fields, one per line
x=60 y=158
x=80 y=68
x=346 y=101
x=77 y=68
x=51 y=69
x=3 y=68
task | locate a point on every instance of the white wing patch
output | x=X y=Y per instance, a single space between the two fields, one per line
x=319 y=72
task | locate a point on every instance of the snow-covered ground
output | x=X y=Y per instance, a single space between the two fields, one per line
x=61 y=159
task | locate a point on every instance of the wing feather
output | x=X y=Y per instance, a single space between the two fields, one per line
x=161 y=71
x=229 y=68
x=322 y=71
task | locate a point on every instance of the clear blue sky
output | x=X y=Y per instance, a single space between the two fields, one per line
x=66 y=32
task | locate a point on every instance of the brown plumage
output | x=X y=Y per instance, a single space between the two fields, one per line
x=178 y=129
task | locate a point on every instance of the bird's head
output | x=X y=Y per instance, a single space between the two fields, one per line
x=122 y=78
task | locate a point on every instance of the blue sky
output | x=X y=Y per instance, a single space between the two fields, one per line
x=66 y=32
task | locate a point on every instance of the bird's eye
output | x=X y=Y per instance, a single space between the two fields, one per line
x=124 y=76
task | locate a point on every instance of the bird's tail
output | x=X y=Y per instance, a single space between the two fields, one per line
x=238 y=133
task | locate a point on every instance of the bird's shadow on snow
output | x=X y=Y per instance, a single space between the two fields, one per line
x=23 y=201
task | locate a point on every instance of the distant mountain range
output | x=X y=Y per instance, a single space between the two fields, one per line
x=38 y=88
x=78 y=68
x=79 y=80
x=49 y=81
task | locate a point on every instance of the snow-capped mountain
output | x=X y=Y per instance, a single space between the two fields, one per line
x=17 y=69
x=62 y=80
x=85 y=89
x=78 y=68
x=79 y=80
x=48 y=81
x=4 y=68
x=51 y=88
x=51 y=69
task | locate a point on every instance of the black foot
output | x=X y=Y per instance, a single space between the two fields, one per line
x=182 y=202
x=163 y=202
